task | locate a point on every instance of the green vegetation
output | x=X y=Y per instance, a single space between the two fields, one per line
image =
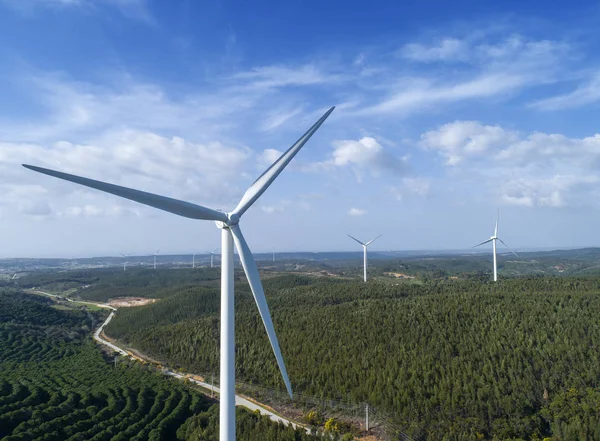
x=100 y=285
x=56 y=384
x=453 y=360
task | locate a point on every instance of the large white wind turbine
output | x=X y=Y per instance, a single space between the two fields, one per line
x=230 y=233
x=156 y=254
x=493 y=239
x=365 y=245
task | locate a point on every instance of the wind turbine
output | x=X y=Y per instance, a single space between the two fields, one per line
x=230 y=233
x=365 y=245
x=125 y=261
x=493 y=239
x=194 y=260
x=212 y=255
x=156 y=254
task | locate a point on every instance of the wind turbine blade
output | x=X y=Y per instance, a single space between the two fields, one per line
x=266 y=179
x=175 y=206
x=157 y=251
x=489 y=240
x=508 y=247
x=259 y=296
x=123 y=255
x=371 y=241
x=356 y=240
x=216 y=249
x=497 y=220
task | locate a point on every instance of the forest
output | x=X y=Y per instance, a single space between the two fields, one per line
x=56 y=384
x=450 y=359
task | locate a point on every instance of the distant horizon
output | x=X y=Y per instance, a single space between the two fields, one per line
x=414 y=252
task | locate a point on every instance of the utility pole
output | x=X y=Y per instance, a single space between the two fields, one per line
x=367 y=416
x=212 y=385
x=116 y=361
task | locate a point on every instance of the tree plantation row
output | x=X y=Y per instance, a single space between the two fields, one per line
x=56 y=384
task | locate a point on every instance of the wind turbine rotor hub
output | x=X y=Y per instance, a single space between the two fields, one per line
x=232 y=219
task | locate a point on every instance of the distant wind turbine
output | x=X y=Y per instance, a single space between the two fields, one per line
x=156 y=254
x=493 y=239
x=212 y=255
x=230 y=233
x=194 y=260
x=125 y=256
x=365 y=245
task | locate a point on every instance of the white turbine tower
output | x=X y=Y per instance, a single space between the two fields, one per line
x=212 y=255
x=493 y=239
x=194 y=260
x=125 y=256
x=230 y=233
x=156 y=254
x=365 y=245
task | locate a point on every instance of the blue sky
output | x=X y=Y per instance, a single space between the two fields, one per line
x=445 y=113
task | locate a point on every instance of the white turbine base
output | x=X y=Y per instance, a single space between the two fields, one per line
x=227 y=404
x=365 y=258
x=495 y=263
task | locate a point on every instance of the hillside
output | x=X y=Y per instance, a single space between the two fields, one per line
x=453 y=360
x=56 y=384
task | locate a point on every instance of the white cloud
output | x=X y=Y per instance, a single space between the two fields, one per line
x=204 y=173
x=268 y=157
x=365 y=155
x=415 y=186
x=583 y=95
x=356 y=212
x=538 y=169
x=557 y=191
x=481 y=48
x=491 y=69
x=461 y=139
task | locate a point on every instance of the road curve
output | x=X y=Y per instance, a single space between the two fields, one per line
x=239 y=400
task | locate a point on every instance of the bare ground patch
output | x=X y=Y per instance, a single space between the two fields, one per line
x=127 y=302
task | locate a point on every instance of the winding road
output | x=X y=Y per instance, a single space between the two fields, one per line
x=239 y=400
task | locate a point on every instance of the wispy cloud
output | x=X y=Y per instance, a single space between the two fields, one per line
x=279 y=117
x=133 y=9
x=421 y=95
x=447 y=49
x=72 y=108
x=585 y=94
x=267 y=77
x=356 y=212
